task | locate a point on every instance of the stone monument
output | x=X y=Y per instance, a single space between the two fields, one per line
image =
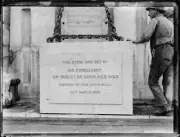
x=86 y=77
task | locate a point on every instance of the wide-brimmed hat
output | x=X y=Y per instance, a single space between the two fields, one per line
x=169 y=13
x=161 y=9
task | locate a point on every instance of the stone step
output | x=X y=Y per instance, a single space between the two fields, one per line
x=85 y=126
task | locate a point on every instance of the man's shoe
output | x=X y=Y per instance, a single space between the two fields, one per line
x=164 y=113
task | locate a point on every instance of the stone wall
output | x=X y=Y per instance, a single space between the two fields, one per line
x=30 y=26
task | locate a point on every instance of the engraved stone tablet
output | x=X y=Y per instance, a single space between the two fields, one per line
x=86 y=77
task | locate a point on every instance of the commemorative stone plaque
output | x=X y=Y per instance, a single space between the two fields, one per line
x=85 y=75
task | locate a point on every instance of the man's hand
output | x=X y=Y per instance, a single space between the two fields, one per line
x=134 y=41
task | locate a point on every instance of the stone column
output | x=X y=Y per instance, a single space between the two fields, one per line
x=7 y=96
x=6 y=38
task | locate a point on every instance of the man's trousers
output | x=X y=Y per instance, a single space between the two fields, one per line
x=162 y=65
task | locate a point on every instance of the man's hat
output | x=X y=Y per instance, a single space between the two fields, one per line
x=169 y=13
x=161 y=9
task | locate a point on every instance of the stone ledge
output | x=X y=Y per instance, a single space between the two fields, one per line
x=83 y=125
x=86 y=126
x=28 y=115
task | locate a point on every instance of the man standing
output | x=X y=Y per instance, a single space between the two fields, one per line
x=160 y=33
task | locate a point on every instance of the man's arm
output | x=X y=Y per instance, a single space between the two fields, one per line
x=148 y=32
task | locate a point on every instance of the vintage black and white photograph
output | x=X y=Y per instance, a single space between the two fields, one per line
x=89 y=70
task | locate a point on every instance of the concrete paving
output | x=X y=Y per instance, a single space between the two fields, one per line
x=27 y=119
x=83 y=126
